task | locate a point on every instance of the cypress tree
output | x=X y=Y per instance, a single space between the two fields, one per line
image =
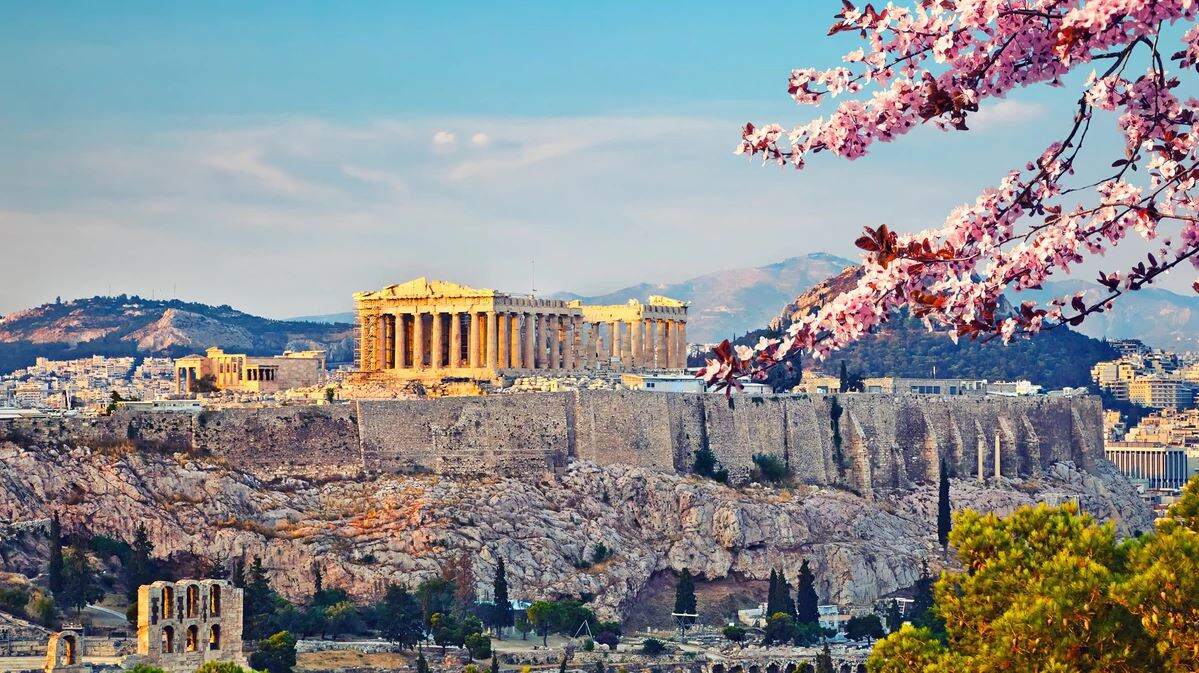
x=503 y=606
x=495 y=664
x=318 y=580
x=55 y=579
x=562 y=666
x=141 y=568
x=844 y=378
x=773 y=604
x=422 y=664
x=806 y=601
x=824 y=661
x=684 y=598
x=788 y=605
x=944 y=518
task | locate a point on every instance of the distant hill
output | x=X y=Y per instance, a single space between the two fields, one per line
x=1160 y=318
x=903 y=347
x=730 y=302
x=346 y=318
x=131 y=325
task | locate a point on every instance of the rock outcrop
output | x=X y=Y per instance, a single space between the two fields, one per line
x=365 y=530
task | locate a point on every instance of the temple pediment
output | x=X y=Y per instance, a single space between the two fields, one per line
x=423 y=288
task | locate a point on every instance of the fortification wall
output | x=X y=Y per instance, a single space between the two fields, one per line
x=858 y=441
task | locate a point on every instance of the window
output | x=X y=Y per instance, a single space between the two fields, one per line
x=168 y=602
x=214 y=600
x=193 y=638
x=168 y=639
x=193 y=600
x=214 y=637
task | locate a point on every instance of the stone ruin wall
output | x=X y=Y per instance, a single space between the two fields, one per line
x=877 y=441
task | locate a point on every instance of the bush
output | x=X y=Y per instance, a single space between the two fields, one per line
x=40 y=608
x=588 y=645
x=145 y=668
x=479 y=646
x=769 y=468
x=706 y=465
x=733 y=633
x=600 y=553
x=868 y=626
x=276 y=654
x=13 y=600
x=221 y=667
x=609 y=638
x=652 y=647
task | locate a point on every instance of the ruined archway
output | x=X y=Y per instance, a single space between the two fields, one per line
x=70 y=650
x=193 y=600
x=168 y=602
x=168 y=639
x=214 y=637
x=193 y=638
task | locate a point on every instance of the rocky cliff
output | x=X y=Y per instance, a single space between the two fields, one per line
x=371 y=528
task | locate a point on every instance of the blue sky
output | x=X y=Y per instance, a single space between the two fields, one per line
x=280 y=156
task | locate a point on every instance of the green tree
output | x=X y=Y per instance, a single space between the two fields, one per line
x=422 y=664
x=770 y=468
x=780 y=629
x=706 y=465
x=652 y=647
x=824 y=661
x=894 y=619
x=258 y=601
x=684 y=598
x=342 y=618
x=501 y=614
x=923 y=609
x=944 y=517
x=543 y=615
x=733 y=633
x=80 y=583
x=495 y=664
x=400 y=617
x=145 y=668
x=436 y=596
x=864 y=626
x=1042 y=590
x=478 y=644
x=40 y=608
x=807 y=609
x=523 y=625
x=54 y=572
x=221 y=667
x=141 y=568
x=276 y=654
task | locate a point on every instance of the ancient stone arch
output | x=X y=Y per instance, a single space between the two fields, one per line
x=64 y=651
x=193 y=638
x=168 y=639
x=193 y=601
x=214 y=637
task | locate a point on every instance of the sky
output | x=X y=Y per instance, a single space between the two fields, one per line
x=279 y=156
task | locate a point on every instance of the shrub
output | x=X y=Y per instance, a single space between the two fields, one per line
x=770 y=468
x=221 y=667
x=479 y=646
x=733 y=633
x=652 y=647
x=145 y=668
x=276 y=654
x=609 y=638
x=706 y=465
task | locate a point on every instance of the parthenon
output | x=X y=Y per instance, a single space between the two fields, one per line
x=430 y=330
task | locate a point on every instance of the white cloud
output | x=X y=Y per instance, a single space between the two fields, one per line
x=1004 y=113
x=480 y=139
x=444 y=138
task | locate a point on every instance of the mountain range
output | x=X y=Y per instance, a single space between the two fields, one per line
x=131 y=325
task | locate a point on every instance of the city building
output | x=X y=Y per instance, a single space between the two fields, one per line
x=1157 y=466
x=1161 y=393
x=249 y=373
x=432 y=331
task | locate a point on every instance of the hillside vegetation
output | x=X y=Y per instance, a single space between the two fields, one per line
x=132 y=325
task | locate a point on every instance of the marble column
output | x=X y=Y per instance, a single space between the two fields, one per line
x=514 y=342
x=472 y=341
x=418 y=340
x=662 y=358
x=530 y=333
x=455 y=360
x=614 y=343
x=502 y=341
x=401 y=345
x=543 y=341
x=647 y=344
x=634 y=344
x=683 y=346
x=583 y=341
x=555 y=348
x=574 y=347
x=492 y=337
x=435 y=345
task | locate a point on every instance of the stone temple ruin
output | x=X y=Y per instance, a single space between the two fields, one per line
x=181 y=625
x=64 y=652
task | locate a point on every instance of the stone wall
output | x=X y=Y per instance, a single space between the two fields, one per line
x=858 y=441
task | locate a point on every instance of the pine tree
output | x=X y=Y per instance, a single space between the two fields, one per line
x=400 y=616
x=258 y=600
x=944 y=518
x=54 y=572
x=502 y=617
x=806 y=601
x=894 y=619
x=684 y=598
